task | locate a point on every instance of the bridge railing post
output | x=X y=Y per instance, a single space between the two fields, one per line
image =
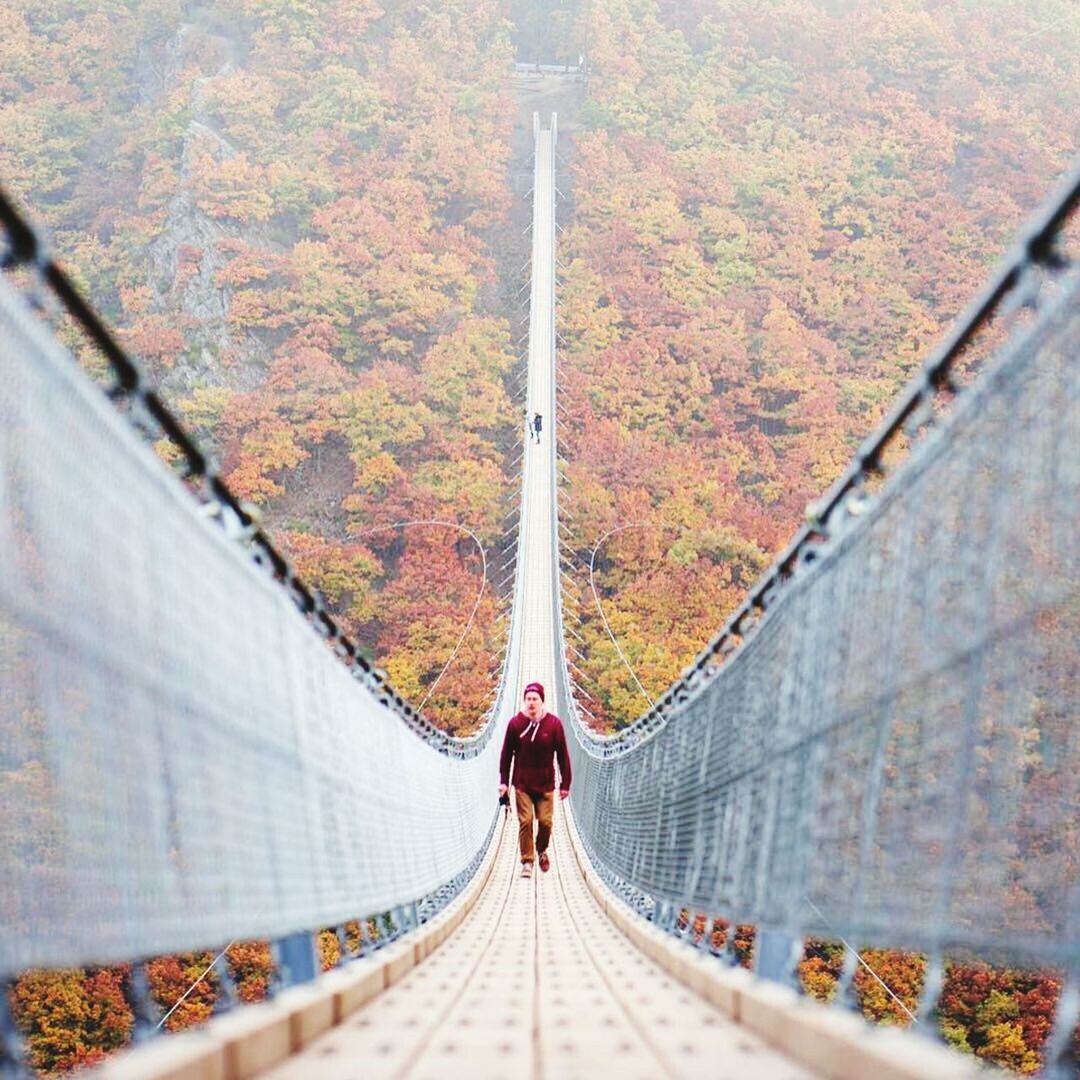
x=227 y=997
x=295 y=958
x=142 y=1003
x=12 y=1047
x=776 y=955
x=371 y=940
x=1061 y=1052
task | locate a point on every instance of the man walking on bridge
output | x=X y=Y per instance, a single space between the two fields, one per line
x=534 y=739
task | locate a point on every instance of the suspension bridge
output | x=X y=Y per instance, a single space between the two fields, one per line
x=878 y=747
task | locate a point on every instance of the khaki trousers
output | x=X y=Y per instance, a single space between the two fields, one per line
x=529 y=806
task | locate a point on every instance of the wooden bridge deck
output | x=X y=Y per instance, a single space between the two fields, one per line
x=537 y=982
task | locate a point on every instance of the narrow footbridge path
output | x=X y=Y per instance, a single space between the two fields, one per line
x=538 y=982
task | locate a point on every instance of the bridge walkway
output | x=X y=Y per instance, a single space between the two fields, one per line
x=538 y=982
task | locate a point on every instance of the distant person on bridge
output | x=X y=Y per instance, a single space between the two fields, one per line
x=537 y=425
x=534 y=739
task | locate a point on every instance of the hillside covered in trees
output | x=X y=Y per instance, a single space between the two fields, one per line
x=777 y=210
x=289 y=212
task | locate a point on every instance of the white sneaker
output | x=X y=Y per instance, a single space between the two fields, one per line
x=526 y=869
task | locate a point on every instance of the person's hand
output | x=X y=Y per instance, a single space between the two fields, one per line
x=502 y=790
x=564 y=793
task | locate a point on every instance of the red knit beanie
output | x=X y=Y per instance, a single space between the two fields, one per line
x=535 y=686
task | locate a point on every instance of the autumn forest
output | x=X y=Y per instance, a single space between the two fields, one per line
x=307 y=220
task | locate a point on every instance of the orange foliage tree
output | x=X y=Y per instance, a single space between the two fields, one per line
x=72 y=1018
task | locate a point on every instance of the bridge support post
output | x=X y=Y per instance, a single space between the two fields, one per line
x=405 y=917
x=142 y=1004
x=12 y=1062
x=344 y=953
x=227 y=997
x=295 y=956
x=1061 y=1057
x=776 y=955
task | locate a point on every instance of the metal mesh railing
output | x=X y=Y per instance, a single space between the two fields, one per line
x=183 y=761
x=883 y=743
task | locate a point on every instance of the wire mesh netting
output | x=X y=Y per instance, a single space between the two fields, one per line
x=182 y=760
x=896 y=746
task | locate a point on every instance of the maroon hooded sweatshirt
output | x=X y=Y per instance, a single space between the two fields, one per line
x=533 y=745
